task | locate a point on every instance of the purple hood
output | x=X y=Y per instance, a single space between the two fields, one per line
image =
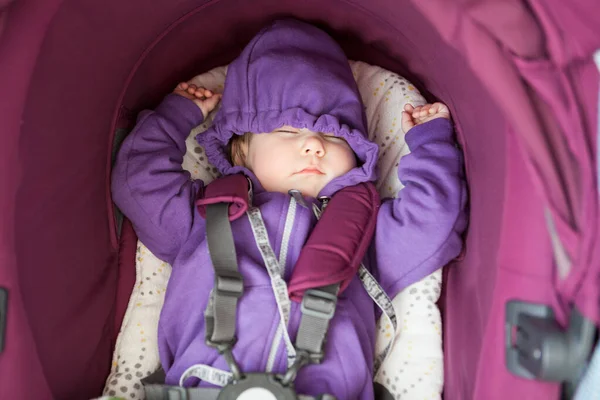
x=292 y=73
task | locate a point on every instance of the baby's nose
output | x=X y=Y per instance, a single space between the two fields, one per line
x=313 y=146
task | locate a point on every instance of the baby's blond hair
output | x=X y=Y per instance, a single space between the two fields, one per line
x=237 y=149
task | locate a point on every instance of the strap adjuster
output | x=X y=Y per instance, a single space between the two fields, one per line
x=318 y=303
x=231 y=285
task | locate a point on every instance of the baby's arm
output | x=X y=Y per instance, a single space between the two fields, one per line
x=148 y=183
x=420 y=230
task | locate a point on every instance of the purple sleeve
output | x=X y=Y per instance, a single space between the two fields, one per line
x=149 y=184
x=420 y=230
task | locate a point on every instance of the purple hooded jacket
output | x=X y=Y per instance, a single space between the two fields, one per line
x=294 y=74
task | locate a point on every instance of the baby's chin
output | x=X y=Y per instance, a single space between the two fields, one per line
x=311 y=188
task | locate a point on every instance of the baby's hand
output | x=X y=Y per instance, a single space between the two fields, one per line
x=203 y=98
x=412 y=116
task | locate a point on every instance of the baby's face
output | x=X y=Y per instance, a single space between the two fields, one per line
x=290 y=158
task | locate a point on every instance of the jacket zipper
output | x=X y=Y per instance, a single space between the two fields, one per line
x=285 y=242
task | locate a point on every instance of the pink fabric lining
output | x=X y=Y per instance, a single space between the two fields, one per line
x=550 y=150
x=21 y=368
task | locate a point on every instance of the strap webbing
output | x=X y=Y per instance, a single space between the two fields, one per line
x=206 y=373
x=221 y=317
x=383 y=301
x=318 y=306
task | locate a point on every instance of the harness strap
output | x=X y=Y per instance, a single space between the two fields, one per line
x=329 y=257
x=220 y=315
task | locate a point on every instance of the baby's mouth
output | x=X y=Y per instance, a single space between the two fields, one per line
x=310 y=171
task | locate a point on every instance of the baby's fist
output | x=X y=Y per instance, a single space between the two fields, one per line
x=205 y=99
x=412 y=116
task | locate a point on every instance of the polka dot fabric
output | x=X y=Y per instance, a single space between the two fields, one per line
x=136 y=351
x=414 y=368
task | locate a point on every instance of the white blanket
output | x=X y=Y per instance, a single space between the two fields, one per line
x=414 y=367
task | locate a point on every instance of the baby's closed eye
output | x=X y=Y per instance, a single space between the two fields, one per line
x=333 y=137
x=286 y=130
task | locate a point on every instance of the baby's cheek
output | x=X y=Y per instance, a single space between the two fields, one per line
x=350 y=160
x=268 y=176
